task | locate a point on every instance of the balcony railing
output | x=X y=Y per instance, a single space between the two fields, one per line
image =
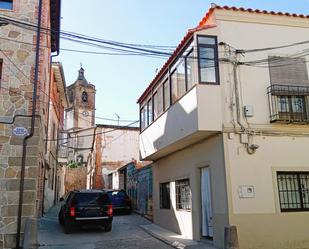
x=288 y=103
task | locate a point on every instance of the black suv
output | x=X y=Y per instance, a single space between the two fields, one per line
x=86 y=207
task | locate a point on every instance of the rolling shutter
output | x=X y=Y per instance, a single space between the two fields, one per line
x=288 y=71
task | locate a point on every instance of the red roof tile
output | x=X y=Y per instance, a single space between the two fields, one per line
x=257 y=11
x=202 y=25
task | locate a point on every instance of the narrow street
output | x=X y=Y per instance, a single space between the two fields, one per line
x=126 y=233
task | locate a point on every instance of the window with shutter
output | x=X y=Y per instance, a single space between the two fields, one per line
x=288 y=71
x=289 y=89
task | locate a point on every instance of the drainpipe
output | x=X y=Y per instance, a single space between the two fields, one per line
x=238 y=107
x=24 y=153
x=56 y=172
x=251 y=148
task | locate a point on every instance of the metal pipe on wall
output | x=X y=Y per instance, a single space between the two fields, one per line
x=24 y=152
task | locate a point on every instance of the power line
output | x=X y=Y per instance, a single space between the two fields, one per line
x=295 y=55
x=129 y=48
x=74 y=50
x=103 y=118
x=139 y=47
x=21 y=71
x=30 y=81
x=89 y=135
x=44 y=102
x=272 y=48
x=109 y=119
x=119 y=47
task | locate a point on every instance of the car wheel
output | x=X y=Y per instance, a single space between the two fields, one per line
x=108 y=228
x=67 y=227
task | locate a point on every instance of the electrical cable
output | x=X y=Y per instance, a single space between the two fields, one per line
x=103 y=132
x=272 y=48
x=44 y=102
x=48 y=30
x=129 y=48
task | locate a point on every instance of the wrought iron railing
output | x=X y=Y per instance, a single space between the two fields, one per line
x=288 y=103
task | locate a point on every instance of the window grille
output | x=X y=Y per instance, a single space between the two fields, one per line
x=288 y=103
x=183 y=194
x=293 y=188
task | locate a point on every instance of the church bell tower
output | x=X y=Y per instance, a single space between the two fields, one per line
x=80 y=113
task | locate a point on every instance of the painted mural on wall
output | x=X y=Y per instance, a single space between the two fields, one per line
x=139 y=188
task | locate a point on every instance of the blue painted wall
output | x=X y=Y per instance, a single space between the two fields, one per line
x=139 y=188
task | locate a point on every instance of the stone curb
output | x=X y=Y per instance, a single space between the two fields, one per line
x=176 y=244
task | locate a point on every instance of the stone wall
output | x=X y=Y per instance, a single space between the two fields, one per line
x=75 y=179
x=10 y=169
x=18 y=50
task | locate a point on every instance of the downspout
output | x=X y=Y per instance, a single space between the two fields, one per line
x=251 y=148
x=24 y=153
x=238 y=112
x=56 y=173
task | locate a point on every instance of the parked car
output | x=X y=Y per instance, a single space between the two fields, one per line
x=86 y=207
x=120 y=201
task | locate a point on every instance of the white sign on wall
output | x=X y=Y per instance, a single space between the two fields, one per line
x=20 y=131
x=246 y=191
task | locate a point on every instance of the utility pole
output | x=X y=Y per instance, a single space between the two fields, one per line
x=118 y=118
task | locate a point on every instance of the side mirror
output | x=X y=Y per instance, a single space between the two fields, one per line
x=61 y=199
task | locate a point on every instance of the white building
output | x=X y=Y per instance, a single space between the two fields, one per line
x=115 y=147
x=226 y=123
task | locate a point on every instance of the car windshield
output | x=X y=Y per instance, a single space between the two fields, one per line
x=91 y=199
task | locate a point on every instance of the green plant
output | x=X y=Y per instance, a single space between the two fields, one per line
x=73 y=165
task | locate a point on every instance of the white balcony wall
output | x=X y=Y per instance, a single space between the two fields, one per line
x=195 y=116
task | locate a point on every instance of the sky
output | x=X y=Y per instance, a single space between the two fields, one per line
x=120 y=80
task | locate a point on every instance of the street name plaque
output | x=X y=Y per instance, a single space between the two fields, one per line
x=20 y=131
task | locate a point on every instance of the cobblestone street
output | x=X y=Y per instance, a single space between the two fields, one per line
x=126 y=233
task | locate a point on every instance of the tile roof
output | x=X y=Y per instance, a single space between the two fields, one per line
x=202 y=25
x=249 y=10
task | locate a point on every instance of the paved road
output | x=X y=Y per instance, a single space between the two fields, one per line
x=126 y=234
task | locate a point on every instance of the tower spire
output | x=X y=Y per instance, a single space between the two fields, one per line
x=81 y=75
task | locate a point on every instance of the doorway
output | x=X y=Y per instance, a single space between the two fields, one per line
x=207 y=216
